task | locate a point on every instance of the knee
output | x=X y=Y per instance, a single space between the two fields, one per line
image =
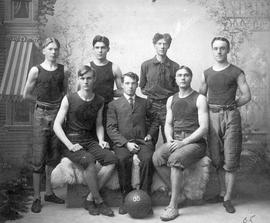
x=123 y=159
x=147 y=159
x=110 y=167
x=38 y=166
x=87 y=163
x=157 y=160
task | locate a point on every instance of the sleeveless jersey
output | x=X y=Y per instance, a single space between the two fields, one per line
x=104 y=83
x=50 y=85
x=222 y=85
x=185 y=113
x=82 y=115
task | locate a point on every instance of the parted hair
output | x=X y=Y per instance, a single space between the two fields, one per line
x=49 y=40
x=99 y=38
x=85 y=69
x=185 y=68
x=166 y=36
x=131 y=75
x=221 y=39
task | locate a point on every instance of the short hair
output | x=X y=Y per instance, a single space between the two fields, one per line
x=49 y=40
x=131 y=75
x=99 y=38
x=85 y=69
x=166 y=36
x=221 y=39
x=185 y=68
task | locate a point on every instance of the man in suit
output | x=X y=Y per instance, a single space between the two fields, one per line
x=127 y=128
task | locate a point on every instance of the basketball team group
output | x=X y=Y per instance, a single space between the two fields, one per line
x=105 y=121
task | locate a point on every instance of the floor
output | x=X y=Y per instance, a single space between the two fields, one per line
x=252 y=203
x=249 y=210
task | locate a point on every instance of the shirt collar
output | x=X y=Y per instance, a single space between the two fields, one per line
x=128 y=97
x=166 y=62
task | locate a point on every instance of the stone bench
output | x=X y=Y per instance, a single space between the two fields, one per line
x=192 y=188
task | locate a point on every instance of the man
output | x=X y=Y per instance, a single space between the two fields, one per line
x=157 y=79
x=126 y=126
x=220 y=83
x=186 y=125
x=45 y=87
x=82 y=111
x=108 y=74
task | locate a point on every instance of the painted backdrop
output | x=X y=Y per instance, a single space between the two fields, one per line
x=131 y=24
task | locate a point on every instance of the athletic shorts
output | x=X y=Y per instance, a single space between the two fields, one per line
x=90 y=153
x=182 y=157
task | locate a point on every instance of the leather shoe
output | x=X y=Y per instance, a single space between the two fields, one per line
x=91 y=207
x=122 y=209
x=36 y=206
x=228 y=206
x=53 y=198
x=104 y=209
x=216 y=199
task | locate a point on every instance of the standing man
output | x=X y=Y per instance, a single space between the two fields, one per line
x=220 y=83
x=157 y=79
x=126 y=126
x=47 y=80
x=81 y=112
x=186 y=125
x=107 y=73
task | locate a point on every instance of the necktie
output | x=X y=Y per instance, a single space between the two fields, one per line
x=130 y=100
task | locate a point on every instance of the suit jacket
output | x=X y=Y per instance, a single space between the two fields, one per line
x=125 y=124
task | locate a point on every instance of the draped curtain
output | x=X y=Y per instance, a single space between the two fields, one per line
x=21 y=8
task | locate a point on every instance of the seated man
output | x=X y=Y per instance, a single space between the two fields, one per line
x=126 y=126
x=186 y=124
x=83 y=110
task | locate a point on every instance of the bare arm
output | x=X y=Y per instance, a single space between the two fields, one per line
x=58 y=129
x=204 y=87
x=245 y=94
x=168 y=128
x=100 y=129
x=30 y=85
x=203 y=121
x=117 y=79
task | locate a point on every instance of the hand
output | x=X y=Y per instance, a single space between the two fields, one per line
x=133 y=147
x=104 y=145
x=75 y=147
x=175 y=144
x=147 y=138
x=170 y=140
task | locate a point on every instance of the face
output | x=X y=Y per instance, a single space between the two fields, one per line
x=183 y=78
x=51 y=51
x=87 y=81
x=161 y=47
x=129 y=85
x=220 y=51
x=100 y=50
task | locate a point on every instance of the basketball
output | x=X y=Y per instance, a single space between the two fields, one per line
x=138 y=204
